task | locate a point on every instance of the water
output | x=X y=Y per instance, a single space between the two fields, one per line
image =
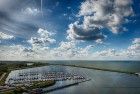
x=131 y=66
x=41 y=73
x=102 y=82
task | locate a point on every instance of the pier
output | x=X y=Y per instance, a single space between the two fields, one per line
x=41 y=91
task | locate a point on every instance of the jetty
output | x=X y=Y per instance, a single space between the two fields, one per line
x=54 y=88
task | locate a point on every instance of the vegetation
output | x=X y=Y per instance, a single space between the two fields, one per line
x=2 y=81
x=17 y=90
x=41 y=84
x=12 y=65
x=36 y=84
x=7 y=67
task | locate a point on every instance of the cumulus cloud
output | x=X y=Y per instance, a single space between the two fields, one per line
x=70 y=50
x=93 y=16
x=79 y=32
x=110 y=14
x=13 y=52
x=106 y=53
x=100 y=14
x=43 y=38
x=5 y=36
x=38 y=49
x=132 y=52
x=99 y=41
x=134 y=48
x=65 y=50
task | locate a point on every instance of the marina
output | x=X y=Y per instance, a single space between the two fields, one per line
x=88 y=80
x=21 y=77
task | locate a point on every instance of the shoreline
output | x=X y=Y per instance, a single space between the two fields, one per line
x=96 y=68
x=40 y=64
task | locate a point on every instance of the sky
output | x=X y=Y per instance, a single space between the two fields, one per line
x=69 y=29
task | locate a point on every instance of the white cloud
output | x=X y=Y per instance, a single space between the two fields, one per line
x=80 y=32
x=95 y=14
x=99 y=41
x=14 y=52
x=70 y=50
x=109 y=14
x=5 y=36
x=106 y=53
x=130 y=53
x=20 y=52
x=134 y=48
x=65 y=50
x=100 y=14
x=44 y=38
x=136 y=41
x=31 y=11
